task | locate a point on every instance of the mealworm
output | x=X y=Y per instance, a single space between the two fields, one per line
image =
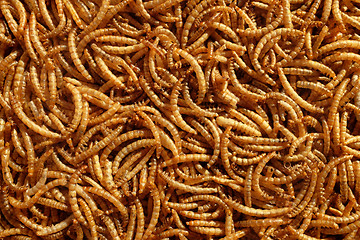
x=102 y=193
x=79 y=22
x=136 y=169
x=257 y=212
x=184 y=187
x=97 y=147
x=199 y=73
x=291 y=92
x=14 y=231
x=340 y=92
x=18 y=204
x=117 y=60
x=7 y=176
x=98 y=18
x=128 y=149
x=155 y=212
x=75 y=57
x=256 y=177
x=226 y=122
x=5 y=9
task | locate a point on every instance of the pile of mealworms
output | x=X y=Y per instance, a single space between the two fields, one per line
x=174 y=119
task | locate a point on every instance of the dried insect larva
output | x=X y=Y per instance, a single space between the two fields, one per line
x=247 y=161
x=247 y=19
x=53 y=204
x=187 y=188
x=7 y=176
x=9 y=59
x=57 y=30
x=102 y=193
x=261 y=222
x=225 y=155
x=291 y=92
x=106 y=115
x=97 y=33
x=45 y=14
x=214 y=129
x=191 y=81
x=287 y=14
x=19 y=80
x=131 y=227
x=202 y=130
x=262 y=123
x=257 y=212
x=318 y=87
x=343 y=230
x=176 y=117
x=167 y=142
x=186 y=158
x=212 y=231
x=343 y=181
x=78 y=106
x=315 y=65
x=226 y=122
x=236 y=235
x=298 y=234
x=227 y=30
x=15 y=231
x=98 y=146
x=123 y=50
x=163 y=6
x=78 y=21
x=182 y=206
x=248 y=181
x=143 y=143
x=256 y=177
x=262 y=31
x=191 y=19
x=110 y=226
x=334 y=162
x=97 y=20
x=155 y=212
x=5 y=9
x=113 y=39
x=29 y=46
x=338 y=44
x=235 y=81
x=350 y=20
x=72 y=196
x=243 y=119
x=34 y=36
x=75 y=57
x=263 y=41
x=4 y=39
x=89 y=134
x=117 y=60
x=108 y=75
x=154 y=130
x=57 y=227
x=199 y=73
x=298 y=71
x=139 y=6
x=136 y=169
x=17 y=143
x=18 y=204
x=340 y=92
x=41 y=182
x=61 y=165
x=203 y=215
x=307 y=198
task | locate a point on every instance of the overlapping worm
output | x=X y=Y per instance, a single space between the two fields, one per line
x=173 y=119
